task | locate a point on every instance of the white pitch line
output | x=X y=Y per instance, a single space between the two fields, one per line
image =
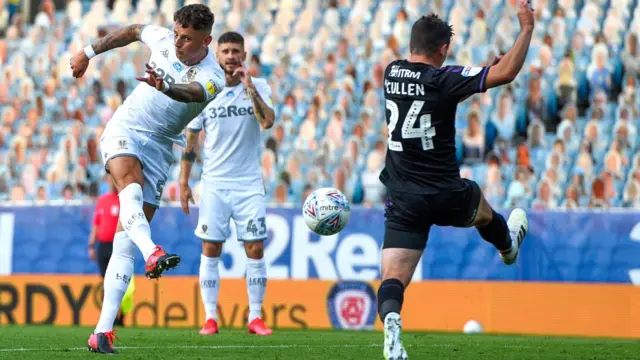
x=197 y=347
x=216 y=347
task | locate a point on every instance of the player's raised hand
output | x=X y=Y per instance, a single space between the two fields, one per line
x=153 y=79
x=244 y=76
x=186 y=197
x=79 y=63
x=525 y=15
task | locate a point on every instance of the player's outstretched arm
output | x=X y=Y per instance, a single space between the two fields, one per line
x=186 y=93
x=121 y=37
x=188 y=157
x=506 y=70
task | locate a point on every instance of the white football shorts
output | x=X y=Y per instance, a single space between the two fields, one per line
x=245 y=207
x=154 y=154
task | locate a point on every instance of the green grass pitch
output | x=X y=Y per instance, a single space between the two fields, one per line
x=39 y=342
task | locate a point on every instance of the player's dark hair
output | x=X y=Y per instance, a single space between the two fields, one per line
x=428 y=34
x=195 y=16
x=231 y=37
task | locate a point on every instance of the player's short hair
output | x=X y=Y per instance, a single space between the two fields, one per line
x=428 y=34
x=231 y=37
x=195 y=16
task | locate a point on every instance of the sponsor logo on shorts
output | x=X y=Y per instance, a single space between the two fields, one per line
x=204 y=228
x=351 y=305
x=122 y=144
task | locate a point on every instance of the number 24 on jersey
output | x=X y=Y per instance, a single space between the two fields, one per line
x=425 y=132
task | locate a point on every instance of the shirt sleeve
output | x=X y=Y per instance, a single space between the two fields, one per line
x=196 y=124
x=151 y=34
x=264 y=90
x=212 y=84
x=458 y=82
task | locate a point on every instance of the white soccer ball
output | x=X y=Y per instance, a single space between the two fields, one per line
x=326 y=211
x=472 y=327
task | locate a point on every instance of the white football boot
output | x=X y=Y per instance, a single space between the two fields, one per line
x=518 y=227
x=393 y=349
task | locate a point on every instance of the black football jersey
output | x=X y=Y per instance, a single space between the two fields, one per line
x=421 y=103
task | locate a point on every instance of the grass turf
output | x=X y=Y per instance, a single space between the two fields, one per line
x=42 y=342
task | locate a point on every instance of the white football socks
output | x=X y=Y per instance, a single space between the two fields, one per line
x=116 y=280
x=209 y=285
x=133 y=220
x=256 y=286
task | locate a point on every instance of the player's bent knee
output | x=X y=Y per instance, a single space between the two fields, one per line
x=254 y=249
x=484 y=214
x=125 y=170
x=212 y=249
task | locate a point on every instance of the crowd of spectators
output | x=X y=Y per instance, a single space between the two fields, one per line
x=563 y=135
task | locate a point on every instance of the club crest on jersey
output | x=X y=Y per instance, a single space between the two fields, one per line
x=351 y=305
x=165 y=53
x=191 y=74
x=177 y=66
x=471 y=71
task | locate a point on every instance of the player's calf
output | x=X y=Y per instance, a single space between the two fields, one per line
x=256 y=286
x=492 y=226
x=390 y=297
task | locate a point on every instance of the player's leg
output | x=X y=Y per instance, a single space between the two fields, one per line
x=105 y=251
x=122 y=155
x=506 y=236
x=103 y=255
x=157 y=158
x=213 y=229
x=250 y=215
x=405 y=237
x=116 y=283
x=126 y=172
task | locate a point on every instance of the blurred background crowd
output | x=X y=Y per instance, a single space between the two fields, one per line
x=563 y=135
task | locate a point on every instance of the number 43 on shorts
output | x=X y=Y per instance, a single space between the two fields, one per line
x=252 y=228
x=425 y=132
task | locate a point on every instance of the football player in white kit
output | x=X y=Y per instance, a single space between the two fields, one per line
x=182 y=77
x=231 y=184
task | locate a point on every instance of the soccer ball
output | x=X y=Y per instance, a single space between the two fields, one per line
x=472 y=327
x=326 y=211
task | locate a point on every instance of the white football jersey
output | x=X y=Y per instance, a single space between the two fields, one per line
x=231 y=152
x=148 y=109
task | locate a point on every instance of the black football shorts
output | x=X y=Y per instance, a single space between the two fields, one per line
x=409 y=217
